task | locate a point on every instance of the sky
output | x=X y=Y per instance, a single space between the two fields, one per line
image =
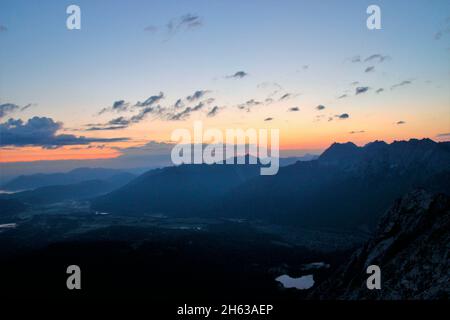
x=311 y=69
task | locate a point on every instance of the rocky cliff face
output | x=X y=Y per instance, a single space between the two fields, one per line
x=411 y=246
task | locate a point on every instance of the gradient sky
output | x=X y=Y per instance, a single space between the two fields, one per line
x=125 y=51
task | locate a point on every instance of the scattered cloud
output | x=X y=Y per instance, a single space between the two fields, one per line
x=151 y=100
x=42 y=131
x=320 y=107
x=117 y=106
x=106 y=128
x=355 y=59
x=401 y=84
x=360 y=90
x=184 y=22
x=444 y=30
x=249 y=104
x=186 y=112
x=238 y=75
x=7 y=108
x=342 y=116
x=443 y=135
x=369 y=69
x=356 y=132
x=379 y=90
x=294 y=109
x=178 y=104
x=268 y=119
x=197 y=95
x=213 y=112
x=376 y=57
x=400 y=122
x=285 y=96
x=354 y=83
x=343 y=96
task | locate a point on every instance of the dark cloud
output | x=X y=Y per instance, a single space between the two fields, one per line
x=376 y=57
x=41 y=131
x=197 y=95
x=401 y=84
x=213 y=112
x=294 y=109
x=268 y=119
x=369 y=69
x=356 y=132
x=342 y=116
x=320 y=107
x=117 y=106
x=360 y=90
x=379 y=90
x=238 y=75
x=151 y=100
x=400 y=122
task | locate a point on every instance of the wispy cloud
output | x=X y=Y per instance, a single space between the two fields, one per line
x=400 y=122
x=361 y=90
x=197 y=95
x=213 y=112
x=401 y=84
x=7 y=108
x=268 y=119
x=184 y=22
x=376 y=57
x=150 y=101
x=249 y=104
x=238 y=75
x=117 y=106
x=356 y=132
x=379 y=90
x=369 y=69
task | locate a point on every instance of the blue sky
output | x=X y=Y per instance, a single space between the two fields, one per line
x=70 y=76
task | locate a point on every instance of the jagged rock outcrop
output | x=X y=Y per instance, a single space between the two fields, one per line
x=411 y=246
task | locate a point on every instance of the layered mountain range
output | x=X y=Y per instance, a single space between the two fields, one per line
x=346 y=186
